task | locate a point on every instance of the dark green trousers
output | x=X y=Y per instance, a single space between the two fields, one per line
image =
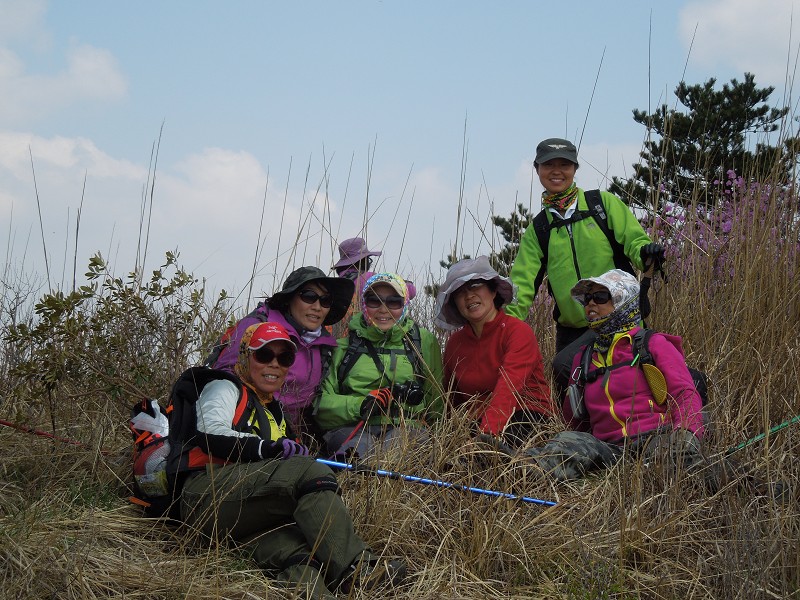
x=274 y=512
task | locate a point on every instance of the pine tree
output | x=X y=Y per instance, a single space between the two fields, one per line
x=432 y=290
x=693 y=148
x=511 y=229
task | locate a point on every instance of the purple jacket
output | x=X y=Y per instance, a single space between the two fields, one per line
x=304 y=375
x=621 y=405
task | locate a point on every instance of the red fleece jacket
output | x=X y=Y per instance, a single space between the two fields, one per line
x=503 y=368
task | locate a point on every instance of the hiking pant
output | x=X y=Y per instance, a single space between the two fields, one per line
x=286 y=514
x=573 y=454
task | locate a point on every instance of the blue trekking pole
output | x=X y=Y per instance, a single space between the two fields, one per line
x=433 y=482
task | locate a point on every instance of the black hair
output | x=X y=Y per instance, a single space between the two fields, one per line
x=361 y=266
x=498 y=299
x=490 y=283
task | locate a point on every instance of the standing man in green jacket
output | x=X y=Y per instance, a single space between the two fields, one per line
x=577 y=246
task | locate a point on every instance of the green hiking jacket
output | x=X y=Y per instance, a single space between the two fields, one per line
x=585 y=253
x=339 y=403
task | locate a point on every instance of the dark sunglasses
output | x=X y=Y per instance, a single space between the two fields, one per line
x=310 y=296
x=599 y=297
x=266 y=355
x=390 y=302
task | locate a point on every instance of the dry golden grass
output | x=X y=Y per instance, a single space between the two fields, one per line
x=67 y=530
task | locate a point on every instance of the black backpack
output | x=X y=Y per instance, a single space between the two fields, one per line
x=642 y=356
x=161 y=463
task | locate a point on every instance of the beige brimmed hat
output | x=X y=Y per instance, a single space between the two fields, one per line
x=465 y=270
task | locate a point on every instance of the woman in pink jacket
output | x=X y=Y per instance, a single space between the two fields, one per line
x=616 y=403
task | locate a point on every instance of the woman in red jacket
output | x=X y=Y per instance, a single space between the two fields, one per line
x=493 y=363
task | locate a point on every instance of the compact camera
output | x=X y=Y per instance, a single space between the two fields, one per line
x=410 y=393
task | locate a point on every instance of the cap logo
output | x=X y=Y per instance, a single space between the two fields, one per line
x=557 y=146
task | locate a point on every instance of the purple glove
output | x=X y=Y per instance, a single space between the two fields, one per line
x=285 y=448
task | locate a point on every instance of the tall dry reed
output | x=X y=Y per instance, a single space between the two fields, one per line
x=637 y=531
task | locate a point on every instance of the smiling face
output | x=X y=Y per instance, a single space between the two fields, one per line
x=556 y=175
x=475 y=302
x=383 y=317
x=309 y=316
x=268 y=378
x=594 y=310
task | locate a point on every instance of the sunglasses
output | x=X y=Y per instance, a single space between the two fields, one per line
x=266 y=355
x=310 y=296
x=599 y=297
x=390 y=302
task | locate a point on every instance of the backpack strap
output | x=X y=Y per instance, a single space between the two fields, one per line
x=594 y=200
x=354 y=349
x=357 y=345
x=641 y=346
x=642 y=356
x=326 y=356
x=585 y=375
x=413 y=345
x=542 y=227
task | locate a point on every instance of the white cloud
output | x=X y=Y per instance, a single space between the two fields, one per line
x=91 y=74
x=21 y=20
x=88 y=74
x=748 y=35
x=59 y=153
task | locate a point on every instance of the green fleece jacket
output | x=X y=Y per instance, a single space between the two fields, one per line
x=575 y=252
x=339 y=403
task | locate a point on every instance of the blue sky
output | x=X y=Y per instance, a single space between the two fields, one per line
x=328 y=110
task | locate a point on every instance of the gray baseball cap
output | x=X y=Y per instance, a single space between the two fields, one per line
x=555 y=148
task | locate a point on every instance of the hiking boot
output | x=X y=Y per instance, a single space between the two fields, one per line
x=373 y=574
x=304 y=582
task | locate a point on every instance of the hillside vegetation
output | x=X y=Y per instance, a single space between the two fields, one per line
x=73 y=367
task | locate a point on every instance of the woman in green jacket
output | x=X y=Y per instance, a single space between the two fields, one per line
x=577 y=247
x=387 y=372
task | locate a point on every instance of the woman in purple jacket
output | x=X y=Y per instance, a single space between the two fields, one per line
x=618 y=403
x=308 y=302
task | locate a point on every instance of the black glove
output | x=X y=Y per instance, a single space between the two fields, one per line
x=376 y=402
x=284 y=448
x=652 y=253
